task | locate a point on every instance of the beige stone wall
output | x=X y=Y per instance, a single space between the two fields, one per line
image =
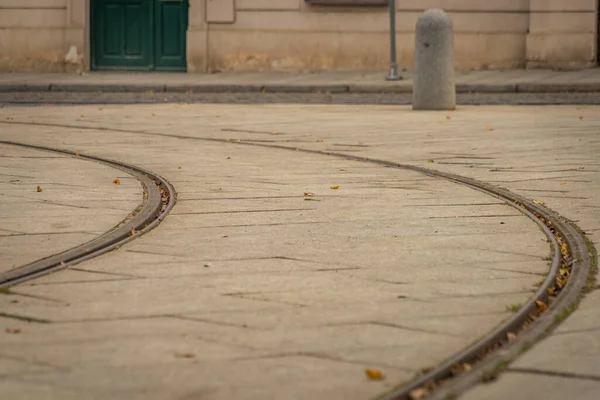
x=562 y=33
x=36 y=35
x=291 y=35
x=250 y=35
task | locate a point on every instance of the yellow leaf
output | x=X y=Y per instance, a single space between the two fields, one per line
x=179 y=167
x=539 y=203
x=418 y=394
x=335 y=187
x=489 y=128
x=541 y=306
x=448 y=117
x=374 y=374
x=117 y=181
x=550 y=291
x=39 y=189
x=430 y=160
x=310 y=194
x=76 y=154
x=274 y=133
x=133 y=232
x=563 y=183
x=467 y=367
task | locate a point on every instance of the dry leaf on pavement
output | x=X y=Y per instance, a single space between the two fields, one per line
x=539 y=203
x=14 y=331
x=309 y=194
x=489 y=128
x=39 y=189
x=117 y=181
x=334 y=187
x=373 y=374
x=320 y=140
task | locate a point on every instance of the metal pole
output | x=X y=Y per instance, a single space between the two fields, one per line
x=393 y=75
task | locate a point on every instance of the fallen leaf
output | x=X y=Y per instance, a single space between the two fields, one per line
x=511 y=336
x=39 y=189
x=418 y=394
x=335 y=187
x=14 y=331
x=373 y=374
x=117 y=181
x=76 y=154
x=539 y=203
x=489 y=128
x=310 y=194
x=154 y=115
x=228 y=157
x=430 y=160
x=133 y=232
x=551 y=291
x=150 y=92
x=263 y=90
x=274 y=133
x=82 y=116
x=541 y=306
x=563 y=183
x=467 y=367
x=320 y=140
x=580 y=117
x=561 y=281
x=185 y=355
x=179 y=167
x=448 y=117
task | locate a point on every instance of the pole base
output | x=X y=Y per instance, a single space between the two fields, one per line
x=393 y=75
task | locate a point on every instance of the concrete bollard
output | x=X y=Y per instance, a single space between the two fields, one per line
x=433 y=82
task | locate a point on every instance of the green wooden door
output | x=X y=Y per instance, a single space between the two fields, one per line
x=139 y=34
x=170 y=25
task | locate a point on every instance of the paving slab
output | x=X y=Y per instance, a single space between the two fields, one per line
x=341 y=282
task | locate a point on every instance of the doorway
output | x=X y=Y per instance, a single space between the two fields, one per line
x=138 y=35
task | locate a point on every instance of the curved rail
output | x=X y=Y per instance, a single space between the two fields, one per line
x=159 y=199
x=494 y=350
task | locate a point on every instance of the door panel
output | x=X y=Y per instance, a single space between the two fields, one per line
x=170 y=34
x=139 y=34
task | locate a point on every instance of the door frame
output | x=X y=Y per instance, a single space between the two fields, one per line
x=89 y=44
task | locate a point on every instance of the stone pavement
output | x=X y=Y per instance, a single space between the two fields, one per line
x=249 y=290
x=509 y=81
x=76 y=202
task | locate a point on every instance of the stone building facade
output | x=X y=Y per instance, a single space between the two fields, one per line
x=292 y=35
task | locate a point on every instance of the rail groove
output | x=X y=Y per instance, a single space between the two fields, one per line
x=159 y=199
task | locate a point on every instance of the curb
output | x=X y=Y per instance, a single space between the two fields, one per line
x=216 y=88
